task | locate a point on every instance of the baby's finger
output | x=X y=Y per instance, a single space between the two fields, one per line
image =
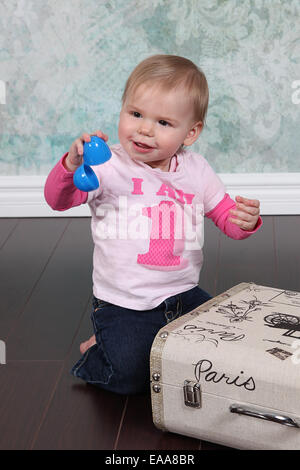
x=242 y=215
x=248 y=209
x=79 y=146
x=242 y=223
x=80 y=142
x=247 y=202
x=101 y=135
x=85 y=137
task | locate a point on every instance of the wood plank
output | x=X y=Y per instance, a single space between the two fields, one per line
x=80 y=416
x=22 y=260
x=139 y=433
x=25 y=391
x=7 y=227
x=250 y=260
x=287 y=236
x=47 y=326
x=211 y=251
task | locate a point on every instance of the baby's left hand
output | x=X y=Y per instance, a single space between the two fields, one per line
x=246 y=213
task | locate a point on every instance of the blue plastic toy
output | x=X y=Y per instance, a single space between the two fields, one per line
x=95 y=152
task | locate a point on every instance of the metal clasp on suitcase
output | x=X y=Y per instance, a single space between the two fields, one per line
x=192 y=394
x=251 y=411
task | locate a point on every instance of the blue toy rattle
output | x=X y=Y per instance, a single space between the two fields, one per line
x=95 y=152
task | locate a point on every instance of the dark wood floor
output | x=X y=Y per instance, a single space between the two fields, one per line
x=45 y=306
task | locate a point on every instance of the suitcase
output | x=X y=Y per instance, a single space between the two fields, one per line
x=229 y=371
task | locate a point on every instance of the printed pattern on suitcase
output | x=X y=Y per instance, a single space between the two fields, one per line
x=242 y=348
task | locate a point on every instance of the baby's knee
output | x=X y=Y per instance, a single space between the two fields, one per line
x=132 y=378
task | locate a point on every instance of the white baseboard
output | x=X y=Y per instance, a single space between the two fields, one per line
x=279 y=194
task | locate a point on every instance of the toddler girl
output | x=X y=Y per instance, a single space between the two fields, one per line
x=147 y=219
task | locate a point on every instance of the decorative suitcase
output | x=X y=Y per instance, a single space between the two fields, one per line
x=229 y=371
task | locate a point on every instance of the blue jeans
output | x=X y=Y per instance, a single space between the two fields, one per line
x=119 y=362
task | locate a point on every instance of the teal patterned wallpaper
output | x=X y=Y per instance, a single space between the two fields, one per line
x=63 y=65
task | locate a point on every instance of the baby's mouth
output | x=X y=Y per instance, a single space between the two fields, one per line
x=143 y=146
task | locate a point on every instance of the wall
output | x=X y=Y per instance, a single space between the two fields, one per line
x=63 y=65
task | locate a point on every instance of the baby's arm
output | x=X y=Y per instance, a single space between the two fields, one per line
x=60 y=192
x=246 y=218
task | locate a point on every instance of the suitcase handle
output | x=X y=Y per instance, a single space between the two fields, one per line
x=250 y=411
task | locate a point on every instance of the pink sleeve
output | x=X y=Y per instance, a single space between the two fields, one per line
x=219 y=215
x=60 y=192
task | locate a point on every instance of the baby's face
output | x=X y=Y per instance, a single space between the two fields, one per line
x=154 y=124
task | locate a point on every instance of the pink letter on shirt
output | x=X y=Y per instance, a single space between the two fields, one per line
x=162 y=240
x=163 y=189
x=137 y=186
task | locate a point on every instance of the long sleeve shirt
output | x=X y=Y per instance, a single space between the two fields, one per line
x=147 y=224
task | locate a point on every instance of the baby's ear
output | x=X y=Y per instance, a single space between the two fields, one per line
x=193 y=133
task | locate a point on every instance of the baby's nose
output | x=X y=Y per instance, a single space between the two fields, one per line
x=146 y=128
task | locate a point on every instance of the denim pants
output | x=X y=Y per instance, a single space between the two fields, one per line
x=119 y=361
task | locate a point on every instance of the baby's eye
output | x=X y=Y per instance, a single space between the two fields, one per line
x=163 y=123
x=136 y=114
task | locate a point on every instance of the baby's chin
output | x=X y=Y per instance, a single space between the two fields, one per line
x=140 y=159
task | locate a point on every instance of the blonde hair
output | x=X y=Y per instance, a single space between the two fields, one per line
x=170 y=72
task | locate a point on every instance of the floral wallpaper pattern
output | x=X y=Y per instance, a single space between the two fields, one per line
x=64 y=65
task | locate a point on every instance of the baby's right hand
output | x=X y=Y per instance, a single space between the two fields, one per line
x=75 y=155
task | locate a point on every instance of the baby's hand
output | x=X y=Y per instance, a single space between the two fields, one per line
x=246 y=213
x=75 y=155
